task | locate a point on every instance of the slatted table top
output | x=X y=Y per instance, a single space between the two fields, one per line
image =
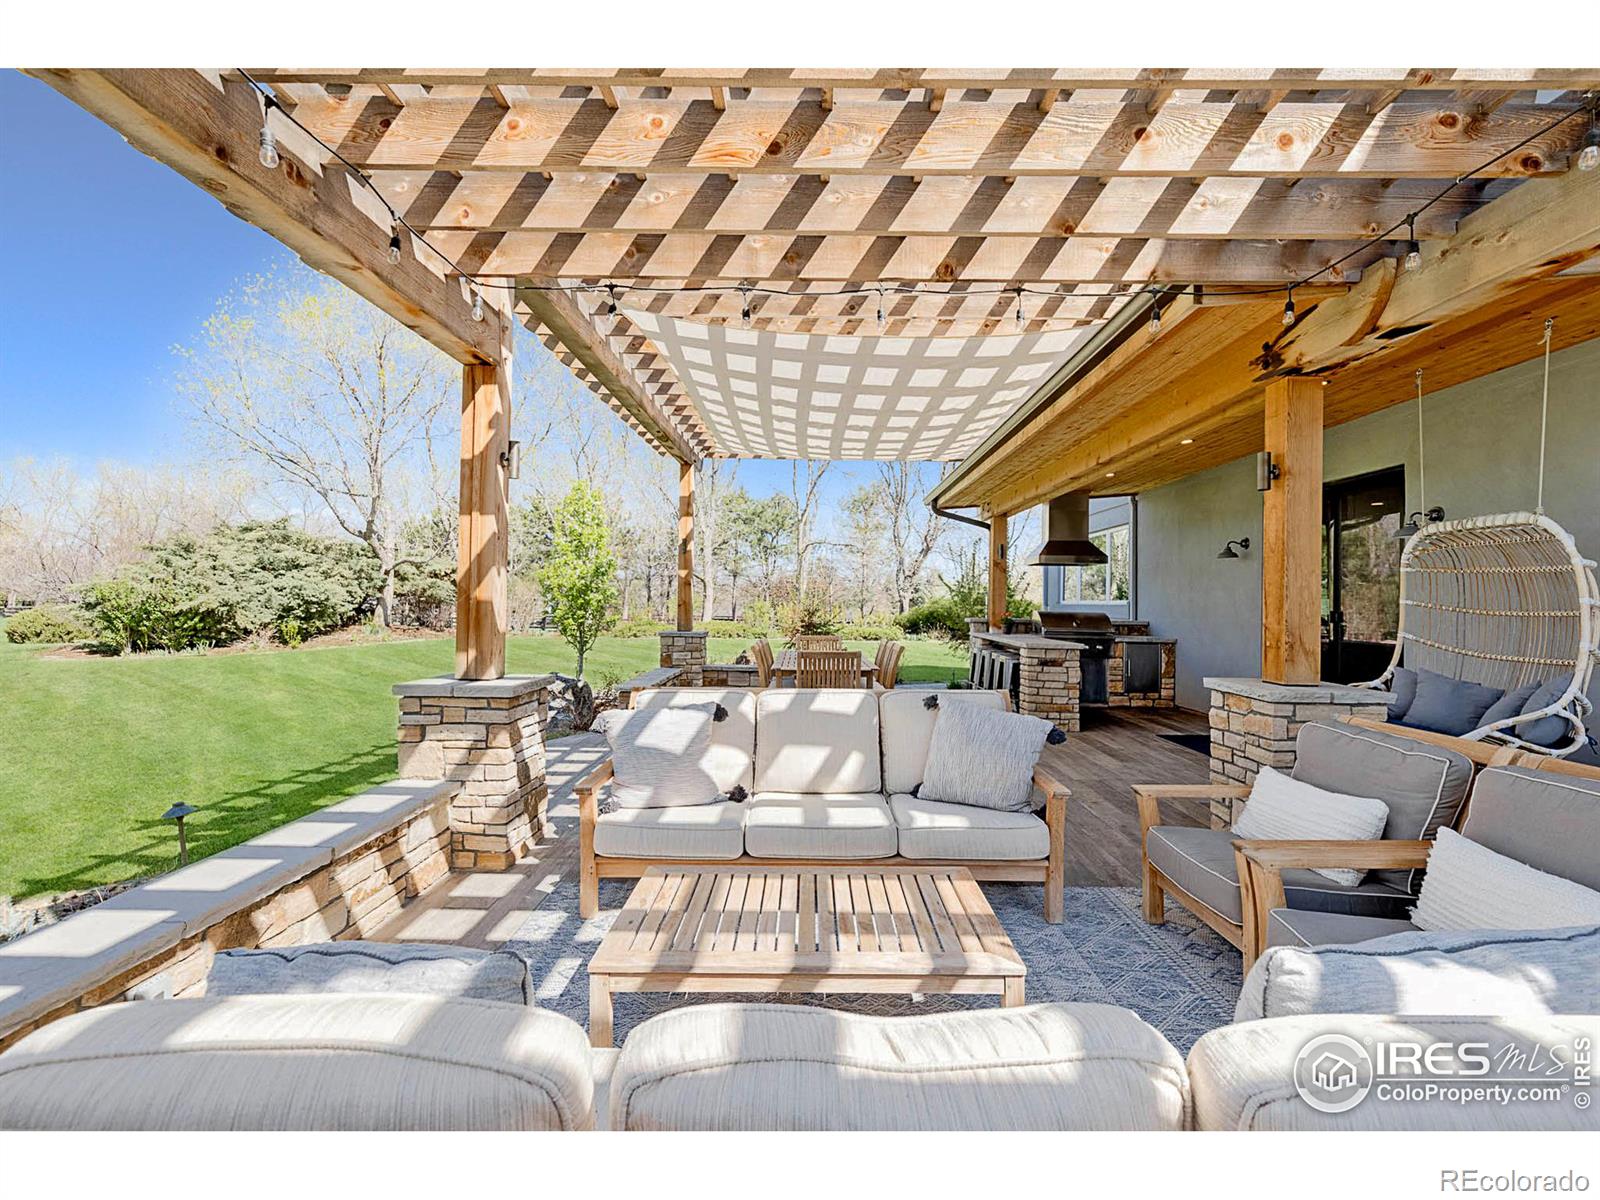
x=916 y=923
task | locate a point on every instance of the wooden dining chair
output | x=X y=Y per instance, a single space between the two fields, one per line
x=889 y=665
x=818 y=641
x=828 y=669
x=761 y=655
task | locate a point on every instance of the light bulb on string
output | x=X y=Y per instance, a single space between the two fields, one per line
x=1413 y=255
x=1288 y=309
x=880 y=310
x=1589 y=156
x=268 y=153
x=477 y=303
x=394 y=244
x=611 y=299
x=744 y=312
x=1021 y=318
x=1155 y=319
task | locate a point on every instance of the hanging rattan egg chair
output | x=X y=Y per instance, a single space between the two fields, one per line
x=1503 y=601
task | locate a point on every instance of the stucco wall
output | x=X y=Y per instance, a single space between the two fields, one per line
x=1482 y=457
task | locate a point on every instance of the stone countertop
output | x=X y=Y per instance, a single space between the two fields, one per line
x=1026 y=641
x=1296 y=693
x=1146 y=637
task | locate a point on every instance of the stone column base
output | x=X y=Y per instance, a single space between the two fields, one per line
x=1254 y=725
x=686 y=650
x=1051 y=683
x=489 y=736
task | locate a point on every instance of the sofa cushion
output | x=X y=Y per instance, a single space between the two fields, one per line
x=793 y=1067
x=1306 y=927
x=1281 y=808
x=932 y=829
x=907 y=723
x=659 y=755
x=1418 y=973
x=731 y=757
x=984 y=758
x=301 y=1062
x=1445 y=705
x=1201 y=862
x=712 y=831
x=1469 y=886
x=792 y=825
x=1243 y=1076
x=1548 y=821
x=418 y=968
x=1423 y=785
x=817 y=741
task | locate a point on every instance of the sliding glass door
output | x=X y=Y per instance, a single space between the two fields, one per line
x=1361 y=574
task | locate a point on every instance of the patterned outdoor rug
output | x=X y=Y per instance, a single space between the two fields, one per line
x=1181 y=977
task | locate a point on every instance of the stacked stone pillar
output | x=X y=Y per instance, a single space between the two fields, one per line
x=1254 y=724
x=685 y=649
x=487 y=735
x=1051 y=681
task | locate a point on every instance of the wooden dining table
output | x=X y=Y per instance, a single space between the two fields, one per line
x=786 y=664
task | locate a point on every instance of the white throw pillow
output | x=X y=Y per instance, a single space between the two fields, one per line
x=659 y=755
x=1281 y=809
x=983 y=758
x=1469 y=886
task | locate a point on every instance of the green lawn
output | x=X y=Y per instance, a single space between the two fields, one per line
x=93 y=751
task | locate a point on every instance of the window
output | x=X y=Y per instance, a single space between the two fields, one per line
x=1105 y=583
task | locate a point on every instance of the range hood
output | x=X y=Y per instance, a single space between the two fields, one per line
x=1066 y=533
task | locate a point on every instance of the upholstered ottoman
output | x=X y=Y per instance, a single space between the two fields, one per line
x=792 y=1067
x=301 y=1062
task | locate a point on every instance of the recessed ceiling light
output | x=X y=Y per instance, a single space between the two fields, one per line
x=1187 y=442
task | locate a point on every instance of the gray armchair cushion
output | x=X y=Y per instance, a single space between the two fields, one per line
x=1302 y=927
x=416 y=968
x=1483 y=973
x=1446 y=705
x=1201 y=862
x=1423 y=785
x=1547 y=821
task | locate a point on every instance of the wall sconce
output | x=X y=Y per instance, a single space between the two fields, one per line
x=1429 y=516
x=511 y=459
x=177 y=813
x=1228 y=551
x=1266 y=471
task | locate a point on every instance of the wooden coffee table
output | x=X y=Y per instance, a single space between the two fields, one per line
x=835 y=929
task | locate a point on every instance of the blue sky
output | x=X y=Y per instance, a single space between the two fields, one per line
x=96 y=295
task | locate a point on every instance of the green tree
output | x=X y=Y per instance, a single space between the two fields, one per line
x=579 y=574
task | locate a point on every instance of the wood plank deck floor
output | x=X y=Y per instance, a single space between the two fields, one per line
x=1115 y=750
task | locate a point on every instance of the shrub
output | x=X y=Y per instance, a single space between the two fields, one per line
x=638 y=627
x=870 y=633
x=49 y=623
x=945 y=616
x=809 y=614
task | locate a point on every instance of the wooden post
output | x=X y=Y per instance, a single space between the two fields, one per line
x=686 y=545
x=1291 y=557
x=481 y=554
x=997 y=571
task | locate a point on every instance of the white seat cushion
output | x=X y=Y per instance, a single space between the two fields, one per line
x=348 y=1061
x=908 y=723
x=817 y=741
x=790 y=825
x=932 y=829
x=790 y=1067
x=731 y=757
x=712 y=831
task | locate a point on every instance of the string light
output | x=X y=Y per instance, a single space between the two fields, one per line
x=477 y=304
x=744 y=313
x=1288 y=308
x=1589 y=156
x=880 y=310
x=269 y=143
x=1155 y=319
x=394 y=244
x=1413 y=258
x=611 y=300
x=1021 y=319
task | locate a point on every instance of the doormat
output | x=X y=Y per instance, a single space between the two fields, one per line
x=1200 y=743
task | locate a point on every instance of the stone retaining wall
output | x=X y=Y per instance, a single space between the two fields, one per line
x=340 y=872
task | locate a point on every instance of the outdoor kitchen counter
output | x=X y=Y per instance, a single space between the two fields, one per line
x=1025 y=641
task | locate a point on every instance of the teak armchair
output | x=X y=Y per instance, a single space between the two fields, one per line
x=828 y=669
x=818 y=641
x=761 y=655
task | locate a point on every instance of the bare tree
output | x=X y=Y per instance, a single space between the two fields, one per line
x=805 y=486
x=717 y=476
x=304 y=380
x=910 y=527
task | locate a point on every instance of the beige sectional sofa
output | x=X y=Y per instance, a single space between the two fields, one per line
x=408 y=1062
x=829 y=775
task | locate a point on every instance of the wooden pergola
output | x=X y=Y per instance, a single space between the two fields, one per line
x=802 y=201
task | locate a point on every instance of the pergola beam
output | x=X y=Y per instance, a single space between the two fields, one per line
x=897 y=205
x=1101 y=139
x=575 y=328
x=207 y=129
